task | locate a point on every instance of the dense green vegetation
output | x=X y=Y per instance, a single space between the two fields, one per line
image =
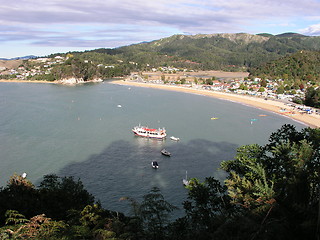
x=207 y=52
x=312 y=97
x=289 y=56
x=300 y=70
x=303 y=66
x=81 y=67
x=271 y=192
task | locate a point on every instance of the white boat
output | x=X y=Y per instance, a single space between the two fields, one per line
x=185 y=181
x=174 y=138
x=142 y=131
x=154 y=164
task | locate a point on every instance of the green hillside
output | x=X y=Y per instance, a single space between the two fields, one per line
x=228 y=52
x=303 y=65
x=214 y=51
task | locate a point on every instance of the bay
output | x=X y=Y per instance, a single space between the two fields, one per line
x=85 y=131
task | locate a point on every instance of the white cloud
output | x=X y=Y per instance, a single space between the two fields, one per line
x=177 y=13
x=311 y=30
x=100 y=23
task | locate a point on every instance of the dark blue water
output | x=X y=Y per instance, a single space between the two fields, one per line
x=80 y=131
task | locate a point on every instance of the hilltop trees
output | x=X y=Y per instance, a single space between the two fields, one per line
x=298 y=68
x=228 y=52
x=291 y=57
x=79 y=67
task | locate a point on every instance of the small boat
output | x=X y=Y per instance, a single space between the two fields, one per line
x=154 y=164
x=185 y=181
x=174 y=138
x=214 y=118
x=119 y=106
x=142 y=131
x=165 y=152
x=253 y=120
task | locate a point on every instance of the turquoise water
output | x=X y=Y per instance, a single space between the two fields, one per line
x=81 y=131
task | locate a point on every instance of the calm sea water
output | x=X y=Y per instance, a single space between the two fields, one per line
x=80 y=131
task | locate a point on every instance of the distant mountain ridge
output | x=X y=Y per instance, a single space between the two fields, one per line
x=235 y=37
x=219 y=51
x=287 y=34
x=20 y=58
x=291 y=34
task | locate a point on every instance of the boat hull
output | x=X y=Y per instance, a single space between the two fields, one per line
x=165 y=153
x=154 y=165
x=149 y=132
x=175 y=138
x=148 y=136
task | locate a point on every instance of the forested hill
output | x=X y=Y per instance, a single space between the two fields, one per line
x=224 y=51
x=303 y=65
x=215 y=51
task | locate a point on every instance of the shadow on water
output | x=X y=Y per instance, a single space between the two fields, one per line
x=124 y=169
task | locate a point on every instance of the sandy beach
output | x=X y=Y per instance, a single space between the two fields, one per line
x=311 y=120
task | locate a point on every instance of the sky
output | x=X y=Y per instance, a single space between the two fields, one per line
x=33 y=27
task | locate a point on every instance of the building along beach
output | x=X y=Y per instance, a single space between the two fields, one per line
x=312 y=120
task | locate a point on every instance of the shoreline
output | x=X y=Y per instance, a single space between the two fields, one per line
x=311 y=120
x=24 y=81
x=43 y=81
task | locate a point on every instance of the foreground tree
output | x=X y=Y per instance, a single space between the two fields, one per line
x=279 y=182
x=38 y=227
x=155 y=212
x=151 y=216
x=271 y=192
x=58 y=195
x=20 y=195
x=207 y=208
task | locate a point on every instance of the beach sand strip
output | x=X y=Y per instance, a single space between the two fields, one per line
x=312 y=120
